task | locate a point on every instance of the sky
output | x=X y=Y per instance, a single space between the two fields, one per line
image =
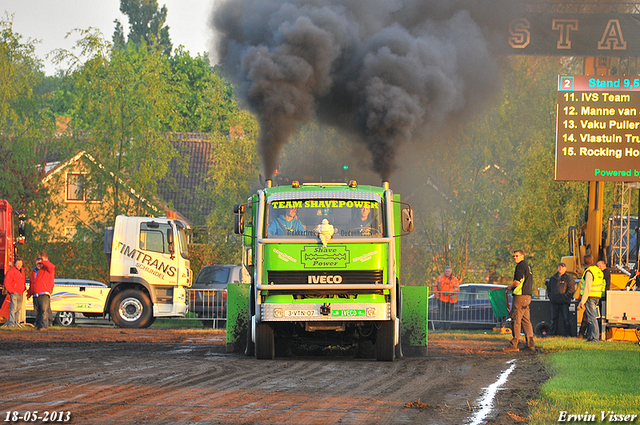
x=50 y=20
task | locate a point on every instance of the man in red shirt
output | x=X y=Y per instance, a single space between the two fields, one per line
x=41 y=287
x=446 y=291
x=14 y=282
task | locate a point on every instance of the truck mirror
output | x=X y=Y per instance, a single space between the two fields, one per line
x=22 y=224
x=238 y=224
x=170 y=241
x=108 y=240
x=407 y=220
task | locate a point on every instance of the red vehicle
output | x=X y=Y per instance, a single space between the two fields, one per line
x=7 y=242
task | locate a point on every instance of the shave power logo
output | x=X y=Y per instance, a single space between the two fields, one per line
x=334 y=256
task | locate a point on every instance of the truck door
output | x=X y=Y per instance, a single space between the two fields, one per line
x=158 y=262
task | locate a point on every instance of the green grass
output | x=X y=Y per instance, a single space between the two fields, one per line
x=178 y=323
x=588 y=377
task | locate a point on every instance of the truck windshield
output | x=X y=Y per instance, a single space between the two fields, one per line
x=182 y=241
x=302 y=218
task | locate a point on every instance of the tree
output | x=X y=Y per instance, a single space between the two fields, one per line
x=233 y=171
x=124 y=103
x=24 y=119
x=206 y=102
x=489 y=189
x=27 y=138
x=146 y=23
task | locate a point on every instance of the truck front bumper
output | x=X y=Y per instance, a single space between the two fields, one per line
x=353 y=312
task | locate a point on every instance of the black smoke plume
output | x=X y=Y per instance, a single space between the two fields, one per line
x=385 y=71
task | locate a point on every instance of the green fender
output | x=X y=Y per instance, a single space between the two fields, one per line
x=237 y=316
x=414 y=326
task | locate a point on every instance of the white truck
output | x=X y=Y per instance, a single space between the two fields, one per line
x=149 y=272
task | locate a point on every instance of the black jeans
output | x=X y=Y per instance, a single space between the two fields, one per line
x=560 y=311
x=42 y=306
x=445 y=314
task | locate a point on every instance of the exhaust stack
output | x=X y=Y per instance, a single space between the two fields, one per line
x=385 y=185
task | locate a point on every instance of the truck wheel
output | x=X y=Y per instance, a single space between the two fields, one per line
x=132 y=309
x=385 y=346
x=542 y=329
x=65 y=318
x=265 y=346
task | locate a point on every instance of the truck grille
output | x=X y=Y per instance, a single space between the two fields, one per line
x=346 y=276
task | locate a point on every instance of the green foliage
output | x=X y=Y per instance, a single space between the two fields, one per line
x=123 y=104
x=26 y=134
x=234 y=168
x=206 y=101
x=21 y=112
x=146 y=22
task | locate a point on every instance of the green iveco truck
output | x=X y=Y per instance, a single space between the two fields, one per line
x=323 y=261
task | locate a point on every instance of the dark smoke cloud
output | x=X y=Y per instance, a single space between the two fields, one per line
x=385 y=71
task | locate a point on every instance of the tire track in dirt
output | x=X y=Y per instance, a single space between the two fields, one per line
x=145 y=382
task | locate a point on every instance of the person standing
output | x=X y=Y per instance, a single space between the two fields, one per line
x=522 y=287
x=560 y=288
x=14 y=282
x=41 y=287
x=591 y=287
x=446 y=291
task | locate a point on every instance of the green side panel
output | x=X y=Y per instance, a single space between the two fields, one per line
x=414 y=326
x=237 y=316
x=356 y=256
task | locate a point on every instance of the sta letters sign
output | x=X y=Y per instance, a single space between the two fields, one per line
x=573 y=34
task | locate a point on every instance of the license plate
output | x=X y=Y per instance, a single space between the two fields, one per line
x=348 y=313
x=299 y=313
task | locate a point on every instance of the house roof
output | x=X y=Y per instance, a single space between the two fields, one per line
x=184 y=194
x=56 y=167
x=189 y=193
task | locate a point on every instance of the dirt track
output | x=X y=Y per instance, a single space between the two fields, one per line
x=152 y=376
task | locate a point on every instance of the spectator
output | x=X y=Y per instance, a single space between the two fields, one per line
x=591 y=286
x=14 y=282
x=560 y=288
x=446 y=290
x=41 y=287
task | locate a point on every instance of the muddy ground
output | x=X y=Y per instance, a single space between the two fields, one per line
x=169 y=376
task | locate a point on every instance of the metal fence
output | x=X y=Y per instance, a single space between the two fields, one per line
x=465 y=309
x=209 y=306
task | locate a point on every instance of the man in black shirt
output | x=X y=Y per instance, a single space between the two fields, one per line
x=560 y=289
x=522 y=287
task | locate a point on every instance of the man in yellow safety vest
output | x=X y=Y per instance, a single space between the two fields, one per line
x=522 y=287
x=591 y=287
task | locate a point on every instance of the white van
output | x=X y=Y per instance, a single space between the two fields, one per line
x=73 y=298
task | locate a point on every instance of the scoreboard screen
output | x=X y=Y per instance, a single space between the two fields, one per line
x=598 y=128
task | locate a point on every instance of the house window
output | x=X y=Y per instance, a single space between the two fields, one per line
x=78 y=190
x=75 y=190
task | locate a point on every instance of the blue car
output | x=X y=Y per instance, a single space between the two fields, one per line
x=472 y=310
